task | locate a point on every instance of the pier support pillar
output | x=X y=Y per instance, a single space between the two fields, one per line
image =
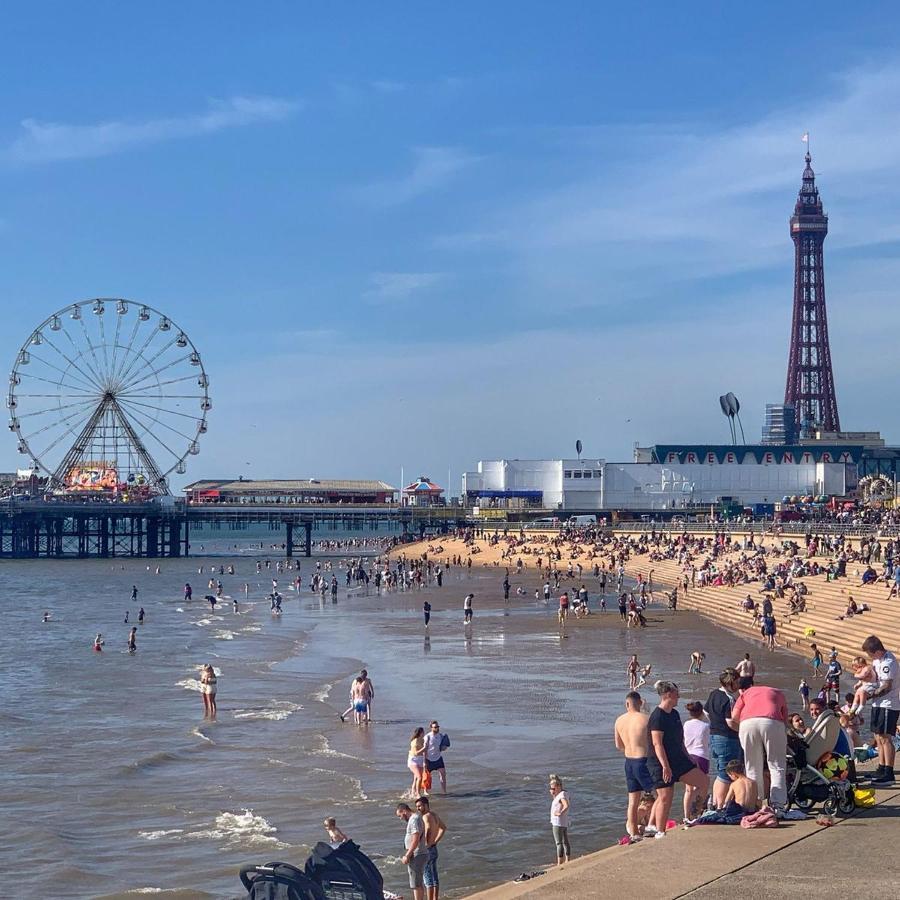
x=174 y=537
x=152 y=548
x=289 y=540
x=308 y=548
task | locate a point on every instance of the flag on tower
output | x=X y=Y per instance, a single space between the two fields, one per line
x=805 y=137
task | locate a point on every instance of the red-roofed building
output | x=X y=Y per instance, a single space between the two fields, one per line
x=423 y=493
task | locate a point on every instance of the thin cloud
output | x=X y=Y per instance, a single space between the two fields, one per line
x=388 y=86
x=52 y=141
x=432 y=169
x=389 y=286
x=695 y=204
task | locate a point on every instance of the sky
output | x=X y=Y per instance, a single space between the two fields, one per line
x=406 y=237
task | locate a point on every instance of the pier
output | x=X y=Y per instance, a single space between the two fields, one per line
x=36 y=529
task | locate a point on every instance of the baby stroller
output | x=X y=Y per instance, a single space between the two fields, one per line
x=828 y=783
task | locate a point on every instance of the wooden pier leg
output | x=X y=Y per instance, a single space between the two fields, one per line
x=289 y=540
x=308 y=527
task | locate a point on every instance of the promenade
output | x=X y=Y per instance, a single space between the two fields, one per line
x=721 y=862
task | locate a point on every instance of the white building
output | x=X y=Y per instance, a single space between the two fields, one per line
x=666 y=477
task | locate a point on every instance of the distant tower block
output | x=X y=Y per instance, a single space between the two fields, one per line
x=810 y=381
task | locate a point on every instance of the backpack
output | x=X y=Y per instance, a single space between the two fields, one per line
x=344 y=872
x=445 y=742
x=279 y=881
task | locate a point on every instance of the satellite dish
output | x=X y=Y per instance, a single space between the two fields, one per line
x=578 y=448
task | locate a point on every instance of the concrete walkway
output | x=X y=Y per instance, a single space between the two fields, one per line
x=858 y=854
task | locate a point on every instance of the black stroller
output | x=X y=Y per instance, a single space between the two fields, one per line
x=808 y=785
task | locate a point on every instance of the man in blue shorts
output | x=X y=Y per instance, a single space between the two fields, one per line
x=633 y=740
x=724 y=744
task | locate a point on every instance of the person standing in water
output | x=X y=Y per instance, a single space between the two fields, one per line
x=188 y=591
x=208 y=687
x=134 y=593
x=98 y=643
x=467 y=608
x=141 y=616
x=132 y=639
x=426 y=609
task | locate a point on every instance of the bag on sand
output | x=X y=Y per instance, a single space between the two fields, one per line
x=279 y=881
x=345 y=872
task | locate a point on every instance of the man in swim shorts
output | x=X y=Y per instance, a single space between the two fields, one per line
x=632 y=739
x=434 y=831
x=435 y=744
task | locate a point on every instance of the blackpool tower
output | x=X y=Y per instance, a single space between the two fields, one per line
x=810 y=381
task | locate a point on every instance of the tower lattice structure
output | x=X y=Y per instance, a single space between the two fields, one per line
x=810 y=380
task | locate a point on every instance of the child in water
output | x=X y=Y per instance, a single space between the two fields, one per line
x=336 y=837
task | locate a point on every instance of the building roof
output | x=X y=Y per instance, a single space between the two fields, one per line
x=287 y=485
x=423 y=485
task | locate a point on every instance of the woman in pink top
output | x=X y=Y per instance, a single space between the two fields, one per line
x=760 y=714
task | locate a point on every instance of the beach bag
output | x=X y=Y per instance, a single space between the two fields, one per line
x=445 y=743
x=279 y=881
x=344 y=872
x=864 y=797
x=426 y=780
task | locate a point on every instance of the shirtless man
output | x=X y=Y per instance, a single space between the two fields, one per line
x=632 y=738
x=746 y=667
x=434 y=831
x=632 y=670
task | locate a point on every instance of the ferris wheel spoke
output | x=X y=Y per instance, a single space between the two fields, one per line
x=46 y=396
x=156 y=438
x=163 y=409
x=129 y=364
x=64 y=419
x=175 y=380
x=150 y=396
x=69 y=430
x=157 y=421
x=126 y=347
x=139 y=377
x=87 y=339
x=54 y=409
x=105 y=347
x=89 y=377
x=24 y=374
x=79 y=354
x=115 y=344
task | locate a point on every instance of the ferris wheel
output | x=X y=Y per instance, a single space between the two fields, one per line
x=108 y=396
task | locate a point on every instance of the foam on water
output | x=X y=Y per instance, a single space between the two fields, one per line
x=247 y=828
x=356 y=784
x=324 y=748
x=276 y=712
x=226 y=635
x=321 y=695
x=243 y=828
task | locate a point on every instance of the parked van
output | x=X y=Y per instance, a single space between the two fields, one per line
x=581 y=521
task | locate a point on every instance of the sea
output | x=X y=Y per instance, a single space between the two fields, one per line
x=112 y=783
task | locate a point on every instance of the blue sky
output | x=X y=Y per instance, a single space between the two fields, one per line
x=411 y=235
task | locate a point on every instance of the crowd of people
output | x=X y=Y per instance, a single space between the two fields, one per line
x=739 y=738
